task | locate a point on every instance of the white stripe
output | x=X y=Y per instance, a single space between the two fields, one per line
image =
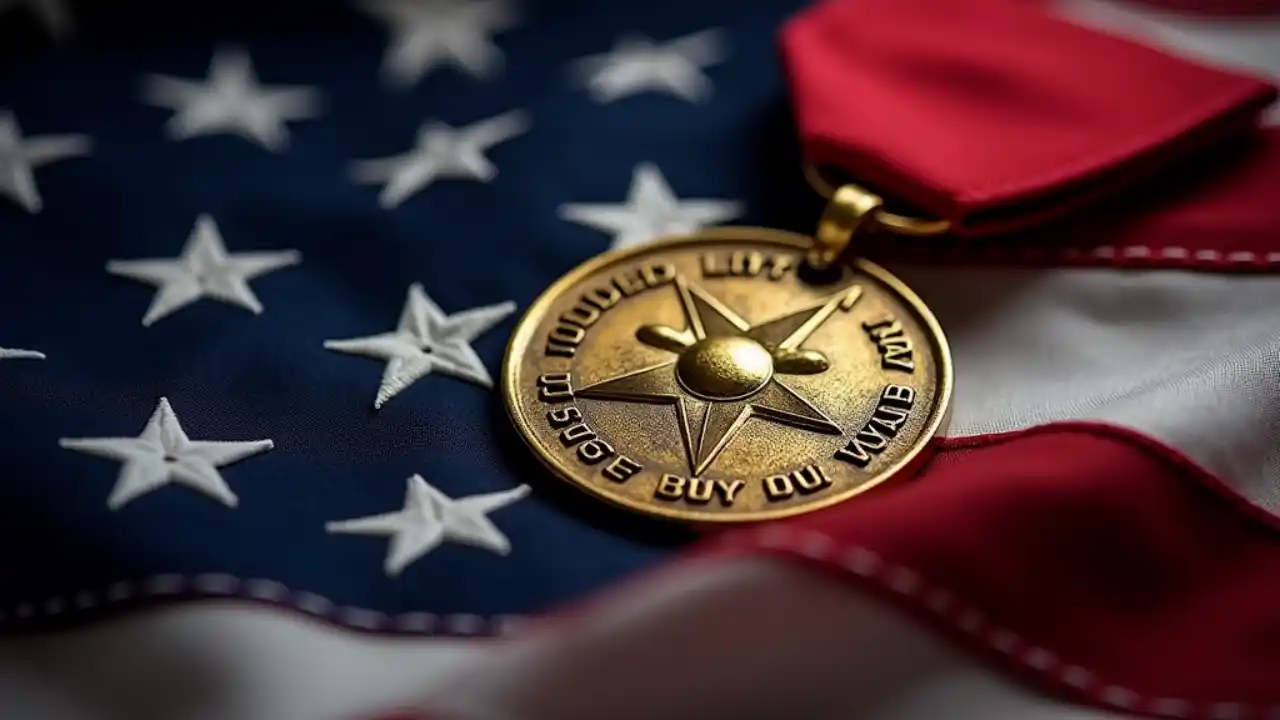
x=216 y=661
x=242 y=661
x=1192 y=359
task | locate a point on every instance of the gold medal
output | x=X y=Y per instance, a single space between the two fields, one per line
x=732 y=375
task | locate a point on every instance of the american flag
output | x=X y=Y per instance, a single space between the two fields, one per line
x=259 y=265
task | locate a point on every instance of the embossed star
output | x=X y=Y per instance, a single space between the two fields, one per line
x=726 y=371
x=426 y=340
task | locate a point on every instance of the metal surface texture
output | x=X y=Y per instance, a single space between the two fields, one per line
x=713 y=378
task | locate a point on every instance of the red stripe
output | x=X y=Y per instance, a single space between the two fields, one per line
x=1217 y=8
x=1086 y=560
x=1091 y=561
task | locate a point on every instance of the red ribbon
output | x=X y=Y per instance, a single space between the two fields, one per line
x=994 y=114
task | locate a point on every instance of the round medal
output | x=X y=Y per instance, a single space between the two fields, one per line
x=711 y=378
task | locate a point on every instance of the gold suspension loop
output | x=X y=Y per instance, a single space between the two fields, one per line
x=900 y=224
x=849 y=210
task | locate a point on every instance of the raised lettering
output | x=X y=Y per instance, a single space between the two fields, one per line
x=621 y=469
x=656 y=275
x=899 y=396
x=698 y=491
x=810 y=479
x=583 y=315
x=566 y=333
x=555 y=387
x=629 y=283
x=564 y=416
x=888 y=417
x=670 y=487
x=778 y=487
x=564 y=338
x=776 y=266
x=805 y=481
x=593 y=451
x=863 y=447
x=741 y=263
x=603 y=298
x=558 y=350
x=729 y=490
x=571 y=327
x=895 y=348
x=575 y=434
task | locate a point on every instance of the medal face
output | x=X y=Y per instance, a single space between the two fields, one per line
x=704 y=379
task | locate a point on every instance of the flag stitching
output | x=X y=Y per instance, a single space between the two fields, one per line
x=1156 y=256
x=215 y=586
x=867 y=564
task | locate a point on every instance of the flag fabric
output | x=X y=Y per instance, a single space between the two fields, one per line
x=232 y=230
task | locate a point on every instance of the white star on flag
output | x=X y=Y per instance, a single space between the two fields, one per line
x=426 y=340
x=429 y=518
x=637 y=64
x=426 y=34
x=204 y=269
x=16 y=354
x=441 y=152
x=20 y=157
x=163 y=455
x=231 y=101
x=651 y=210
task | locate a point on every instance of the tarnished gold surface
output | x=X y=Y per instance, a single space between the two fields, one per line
x=849 y=210
x=900 y=224
x=707 y=379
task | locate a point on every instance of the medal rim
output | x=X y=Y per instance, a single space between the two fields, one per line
x=523 y=335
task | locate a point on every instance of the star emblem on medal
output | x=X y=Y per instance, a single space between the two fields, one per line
x=726 y=371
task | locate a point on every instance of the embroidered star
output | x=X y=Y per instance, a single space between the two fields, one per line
x=231 y=101
x=637 y=64
x=54 y=15
x=427 y=340
x=14 y=354
x=429 y=518
x=441 y=152
x=651 y=210
x=204 y=269
x=426 y=34
x=20 y=157
x=164 y=455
